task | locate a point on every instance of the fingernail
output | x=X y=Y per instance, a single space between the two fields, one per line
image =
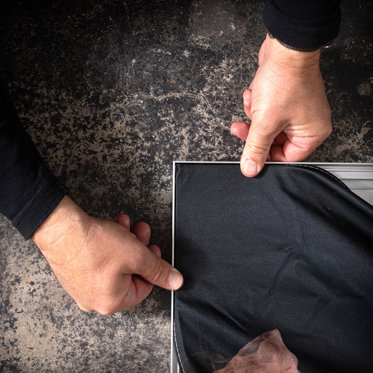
x=175 y=279
x=250 y=167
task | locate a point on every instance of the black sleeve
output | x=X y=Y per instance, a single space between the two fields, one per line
x=303 y=24
x=28 y=191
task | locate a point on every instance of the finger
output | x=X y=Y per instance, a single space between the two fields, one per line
x=142 y=288
x=155 y=250
x=280 y=139
x=123 y=220
x=247 y=102
x=292 y=151
x=240 y=129
x=138 y=290
x=262 y=51
x=142 y=232
x=157 y=271
x=255 y=153
x=276 y=152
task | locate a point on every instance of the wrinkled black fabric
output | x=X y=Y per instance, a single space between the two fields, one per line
x=291 y=249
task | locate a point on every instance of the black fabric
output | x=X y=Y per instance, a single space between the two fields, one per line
x=303 y=24
x=291 y=249
x=28 y=191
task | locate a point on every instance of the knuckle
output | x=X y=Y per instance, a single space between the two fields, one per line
x=135 y=259
x=266 y=129
x=257 y=149
x=328 y=131
x=324 y=132
x=105 y=311
x=155 y=273
x=82 y=308
x=138 y=261
x=109 y=307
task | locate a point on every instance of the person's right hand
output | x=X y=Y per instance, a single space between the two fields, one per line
x=101 y=264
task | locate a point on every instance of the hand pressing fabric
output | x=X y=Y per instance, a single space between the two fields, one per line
x=100 y=263
x=288 y=108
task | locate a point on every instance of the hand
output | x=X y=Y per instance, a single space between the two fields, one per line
x=287 y=105
x=101 y=264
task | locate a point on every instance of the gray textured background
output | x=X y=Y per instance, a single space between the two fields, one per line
x=112 y=92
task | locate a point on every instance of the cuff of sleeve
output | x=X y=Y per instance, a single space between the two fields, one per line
x=301 y=34
x=38 y=208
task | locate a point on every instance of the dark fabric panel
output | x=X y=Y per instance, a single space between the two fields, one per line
x=28 y=191
x=291 y=249
x=304 y=25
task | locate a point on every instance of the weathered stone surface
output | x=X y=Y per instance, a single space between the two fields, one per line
x=112 y=92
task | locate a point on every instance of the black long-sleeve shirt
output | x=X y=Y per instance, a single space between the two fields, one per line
x=302 y=24
x=29 y=192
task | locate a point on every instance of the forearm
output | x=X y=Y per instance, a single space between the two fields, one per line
x=28 y=191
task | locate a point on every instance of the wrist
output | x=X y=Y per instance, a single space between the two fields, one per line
x=291 y=59
x=67 y=220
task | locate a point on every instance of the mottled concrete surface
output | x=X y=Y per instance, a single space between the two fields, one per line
x=112 y=92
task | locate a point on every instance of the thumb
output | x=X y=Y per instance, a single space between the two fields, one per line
x=159 y=272
x=255 y=153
